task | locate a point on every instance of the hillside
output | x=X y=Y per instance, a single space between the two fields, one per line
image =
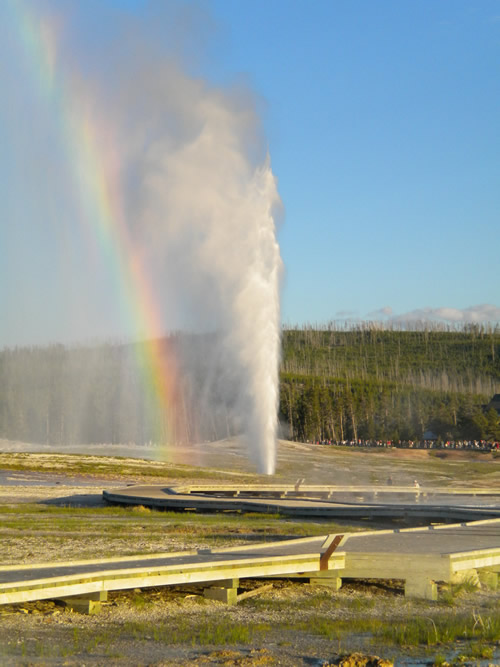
x=374 y=383
x=465 y=361
x=365 y=383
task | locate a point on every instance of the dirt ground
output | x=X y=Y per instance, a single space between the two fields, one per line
x=290 y=623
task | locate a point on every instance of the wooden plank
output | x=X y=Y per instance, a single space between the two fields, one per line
x=396 y=566
x=254 y=592
x=329 y=545
x=475 y=559
x=169 y=575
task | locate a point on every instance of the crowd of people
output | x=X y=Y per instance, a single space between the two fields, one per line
x=482 y=445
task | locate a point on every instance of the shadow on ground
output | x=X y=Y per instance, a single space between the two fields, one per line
x=77 y=500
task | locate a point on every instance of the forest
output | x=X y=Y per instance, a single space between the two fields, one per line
x=336 y=383
x=375 y=383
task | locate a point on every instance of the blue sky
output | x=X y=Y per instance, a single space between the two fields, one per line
x=383 y=126
x=381 y=118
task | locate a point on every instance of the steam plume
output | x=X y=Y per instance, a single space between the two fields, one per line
x=204 y=217
x=199 y=200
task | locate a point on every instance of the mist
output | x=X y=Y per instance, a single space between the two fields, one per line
x=188 y=238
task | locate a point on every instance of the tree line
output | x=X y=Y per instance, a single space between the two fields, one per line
x=106 y=393
x=319 y=409
x=365 y=382
x=465 y=360
x=394 y=383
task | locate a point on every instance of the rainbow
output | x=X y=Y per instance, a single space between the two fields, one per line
x=95 y=173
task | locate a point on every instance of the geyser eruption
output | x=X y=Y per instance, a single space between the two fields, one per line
x=170 y=178
x=208 y=204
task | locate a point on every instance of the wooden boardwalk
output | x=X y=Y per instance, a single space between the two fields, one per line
x=217 y=568
x=421 y=557
x=325 y=502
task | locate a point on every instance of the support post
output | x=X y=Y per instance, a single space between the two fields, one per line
x=83 y=605
x=225 y=590
x=86 y=603
x=421 y=588
x=330 y=579
x=99 y=596
x=299 y=483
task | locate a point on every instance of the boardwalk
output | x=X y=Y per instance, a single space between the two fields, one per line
x=421 y=557
x=326 y=502
x=206 y=566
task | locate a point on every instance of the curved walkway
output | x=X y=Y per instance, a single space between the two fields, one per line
x=327 y=502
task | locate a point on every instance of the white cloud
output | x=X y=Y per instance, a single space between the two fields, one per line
x=471 y=315
x=385 y=311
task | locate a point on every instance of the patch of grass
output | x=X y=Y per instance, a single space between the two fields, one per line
x=429 y=631
x=360 y=603
x=104 y=466
x=479 y=650
x=204 y=630
x=107 y=524
x=455 y=470
x=140 y=509
x=76 y=642
x=138 y=601
x=449 y=595
x=335 y=628
x=412 y=632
